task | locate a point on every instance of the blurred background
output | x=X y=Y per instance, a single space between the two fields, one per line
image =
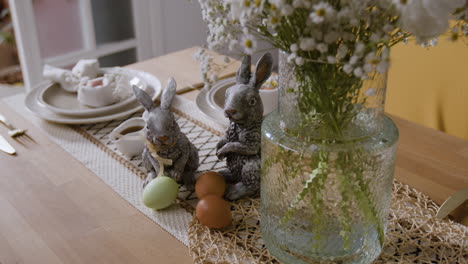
x=426 y=85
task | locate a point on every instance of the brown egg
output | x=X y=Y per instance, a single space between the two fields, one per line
x=214 y=212
x=210 y=182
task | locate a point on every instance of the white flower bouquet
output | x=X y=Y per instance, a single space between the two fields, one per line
x=355 y=34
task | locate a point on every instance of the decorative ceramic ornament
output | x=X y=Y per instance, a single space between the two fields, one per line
x=165 y=141
x=241 y=143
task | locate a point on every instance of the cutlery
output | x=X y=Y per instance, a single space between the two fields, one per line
x=13 y=131
x=6 y=147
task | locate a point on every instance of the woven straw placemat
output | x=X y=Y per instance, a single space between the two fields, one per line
x=414 y=234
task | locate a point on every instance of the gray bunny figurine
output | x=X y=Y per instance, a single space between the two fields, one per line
x=165 y=140
x=241 y=143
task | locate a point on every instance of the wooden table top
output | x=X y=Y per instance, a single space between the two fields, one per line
x=54 y=210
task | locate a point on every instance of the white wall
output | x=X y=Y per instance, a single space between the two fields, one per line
x=178 y=25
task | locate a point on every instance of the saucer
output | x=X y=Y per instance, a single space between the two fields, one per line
x=63 y=102
x=36 y=107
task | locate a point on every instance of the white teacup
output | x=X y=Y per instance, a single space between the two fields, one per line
x=129 y=137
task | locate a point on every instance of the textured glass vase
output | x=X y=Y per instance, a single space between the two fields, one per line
x=327 y=166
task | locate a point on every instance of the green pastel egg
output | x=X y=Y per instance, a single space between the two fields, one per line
x=160 y=192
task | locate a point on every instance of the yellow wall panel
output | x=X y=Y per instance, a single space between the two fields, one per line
x=430 y=85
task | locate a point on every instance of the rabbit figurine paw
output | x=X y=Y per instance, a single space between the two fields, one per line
x=164 y=140
x=241 y=143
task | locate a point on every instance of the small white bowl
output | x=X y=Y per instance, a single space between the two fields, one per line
x=129 y=144
x=96 y=92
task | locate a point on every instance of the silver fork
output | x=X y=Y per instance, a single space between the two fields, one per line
x=13 y=131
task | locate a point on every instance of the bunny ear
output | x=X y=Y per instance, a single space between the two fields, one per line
x=168 y=94
x=244 y=73
x=143 y=97
x=262 y=70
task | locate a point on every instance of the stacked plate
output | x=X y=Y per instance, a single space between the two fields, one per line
x=52 y=103
x=211 y=102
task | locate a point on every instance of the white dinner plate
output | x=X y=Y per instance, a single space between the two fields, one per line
x=209 y=108
x=211 y=102
x=32 y=104
x=63 y=102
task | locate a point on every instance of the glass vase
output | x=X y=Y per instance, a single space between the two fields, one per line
x=328 y=156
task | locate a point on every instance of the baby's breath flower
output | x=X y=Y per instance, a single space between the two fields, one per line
x=292 y=57
x=370 y=92
x=358 y=72
x=300 y=61
x=331 y=59
x=322 y=47
x=342 y=52
x=348 y=68
x=368 y=67
x=353 y=59
x=298 y=3
x=287 y=10
x=294 y=48
x=388 y=28
x=359 y=49
x=331 y=37
x=307 y=44
x=375 y=37
x=383 y=66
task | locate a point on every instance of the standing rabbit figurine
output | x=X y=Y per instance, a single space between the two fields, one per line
x=165 y=143
x=241 y=143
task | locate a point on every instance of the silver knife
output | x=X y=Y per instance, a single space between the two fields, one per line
x=5 y=146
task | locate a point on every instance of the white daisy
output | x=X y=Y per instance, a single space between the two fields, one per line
x=249 y=43
x=320 y=12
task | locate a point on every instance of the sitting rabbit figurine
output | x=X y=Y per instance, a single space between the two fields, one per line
x=241 y=143
x=164 y=140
